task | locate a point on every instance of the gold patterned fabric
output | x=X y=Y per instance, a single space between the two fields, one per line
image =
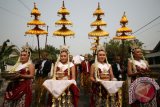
x=102 y=98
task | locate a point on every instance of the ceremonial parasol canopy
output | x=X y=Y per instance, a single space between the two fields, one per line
x=63 y=21
x=98 y=23
x=36 y=23
x=124 y=32
x=98 y=33
x=98 y=11
x=36 y=31
x=63 y=31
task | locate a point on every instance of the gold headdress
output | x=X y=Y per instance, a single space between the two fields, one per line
x=64 y=48
x=133 y=47
x=26 y=48
x=100 y=48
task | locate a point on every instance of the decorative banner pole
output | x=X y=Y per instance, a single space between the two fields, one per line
x=98 y=23
x=63 y=22
x=36 y=23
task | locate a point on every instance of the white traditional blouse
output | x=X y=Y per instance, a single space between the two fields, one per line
x=22 y=66
x=104 y=68
x=141 y=64
x=63 y=67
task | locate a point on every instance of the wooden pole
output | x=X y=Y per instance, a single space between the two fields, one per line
x=38 y=46
x=64 y=38
x=46 y=38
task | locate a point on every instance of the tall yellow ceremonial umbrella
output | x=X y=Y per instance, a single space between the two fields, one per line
x=63 y=31
x=124 y=33
x=98 y=23
x=36 y=23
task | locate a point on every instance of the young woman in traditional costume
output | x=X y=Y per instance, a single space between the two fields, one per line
x=19 y=91
x=142 y=91
x=63 y=85
x=101 y=67
x=101 y=73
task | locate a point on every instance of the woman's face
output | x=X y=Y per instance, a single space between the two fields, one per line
x=24 y=57
x=101 y=56
x=138 y=53
x=64 y=57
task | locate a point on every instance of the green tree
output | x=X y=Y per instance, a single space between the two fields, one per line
x=5 y=51
x=52 y=51
x=114 y=48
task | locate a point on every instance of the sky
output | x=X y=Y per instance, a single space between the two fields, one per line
x=14 y=15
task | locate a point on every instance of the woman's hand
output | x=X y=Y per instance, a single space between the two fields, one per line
x=16 y=76
x=138 y=69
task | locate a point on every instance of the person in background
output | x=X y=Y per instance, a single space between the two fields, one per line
x=76 y=71
x=71 y=58
x=43 y=68
x=117 y=69
x=85 y=73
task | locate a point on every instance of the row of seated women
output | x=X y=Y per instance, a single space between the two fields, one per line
x=63 y=88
